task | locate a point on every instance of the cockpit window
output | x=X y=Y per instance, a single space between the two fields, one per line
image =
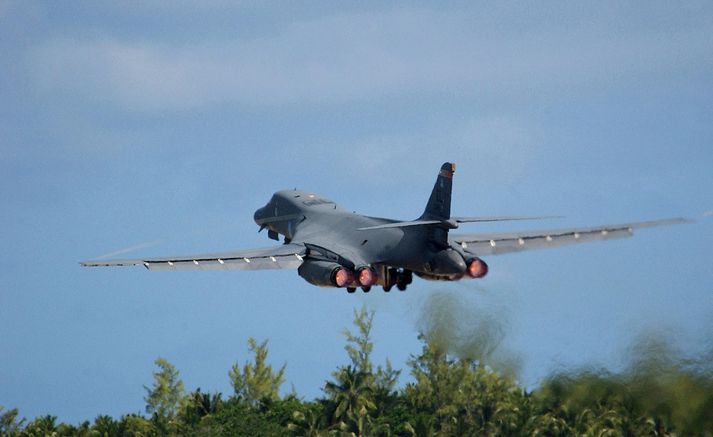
x=317 y=201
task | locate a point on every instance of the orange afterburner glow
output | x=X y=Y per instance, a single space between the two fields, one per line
x=367 y=277
x=477 y=268
x=343 y=277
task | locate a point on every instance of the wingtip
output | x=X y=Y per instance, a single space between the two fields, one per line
x=89 y=264
x=672 y=221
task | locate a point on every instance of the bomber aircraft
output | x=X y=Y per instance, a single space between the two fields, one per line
x=333 y=247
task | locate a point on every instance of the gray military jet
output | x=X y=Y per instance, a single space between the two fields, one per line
x=333 y=247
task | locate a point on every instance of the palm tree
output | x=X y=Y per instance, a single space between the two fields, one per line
x=205 y=403
x=307 y=424
x=352 y=394
x=105 y=426
x=43 y=425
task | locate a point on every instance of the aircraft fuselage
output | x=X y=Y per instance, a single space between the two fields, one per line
x=326 y=228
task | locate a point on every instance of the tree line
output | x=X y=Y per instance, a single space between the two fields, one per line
x=449 y=396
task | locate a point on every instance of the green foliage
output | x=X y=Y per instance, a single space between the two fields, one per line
x=351 y=393
x=136 y=426
x=105 y=426
x=41 y=426
x=165 y=396
x=9 y=424
x=238 y=418
x=646 y=399
x=359 y=346
x=463 y=396
x=309 y=422
x=198 y=405
x=257 y=381
x=452 y=393
x=359 y=397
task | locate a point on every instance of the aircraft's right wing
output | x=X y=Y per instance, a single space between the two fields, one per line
x=497 y=243
x=287 y=256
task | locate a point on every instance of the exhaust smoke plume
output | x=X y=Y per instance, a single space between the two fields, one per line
x=659 y=386
x=451 y=322
x=659 y=381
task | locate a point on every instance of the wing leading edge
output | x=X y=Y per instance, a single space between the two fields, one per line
x=287 y=256
x=497 y=243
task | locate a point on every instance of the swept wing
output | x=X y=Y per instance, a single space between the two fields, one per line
x=286 y=256
x=497 y=243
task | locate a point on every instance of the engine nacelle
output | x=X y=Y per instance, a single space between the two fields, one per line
x=447 y=263
x=430 y=277
x=325 y=273
x=477 y=268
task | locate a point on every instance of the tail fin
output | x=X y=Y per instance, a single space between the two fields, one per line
x=439 y=204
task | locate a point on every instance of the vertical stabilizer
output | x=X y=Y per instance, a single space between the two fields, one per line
x=439 y=204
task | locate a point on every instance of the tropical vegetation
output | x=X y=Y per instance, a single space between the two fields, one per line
x=448 y=395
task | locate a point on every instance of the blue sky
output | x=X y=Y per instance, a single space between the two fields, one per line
x=164 y=125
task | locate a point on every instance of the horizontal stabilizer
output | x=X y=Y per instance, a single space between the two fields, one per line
x=452 y=223
x=402 y=224
x=505 y=218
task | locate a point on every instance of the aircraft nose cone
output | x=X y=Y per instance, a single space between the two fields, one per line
x=260 y=215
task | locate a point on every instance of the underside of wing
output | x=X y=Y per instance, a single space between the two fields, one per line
x=497 y=243
x=287 y=256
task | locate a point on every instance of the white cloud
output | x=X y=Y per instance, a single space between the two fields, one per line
x=363 y=57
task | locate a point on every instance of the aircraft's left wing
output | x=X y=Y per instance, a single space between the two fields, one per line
x=497 y=243
x=287 y=256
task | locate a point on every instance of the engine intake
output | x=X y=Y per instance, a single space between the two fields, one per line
x=430 y=277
